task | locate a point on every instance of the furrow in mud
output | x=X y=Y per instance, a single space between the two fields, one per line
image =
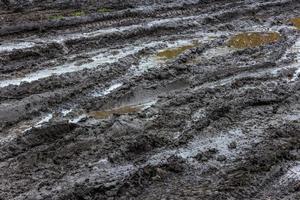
x=102 y=19
x=221 y=17
x=144 y=100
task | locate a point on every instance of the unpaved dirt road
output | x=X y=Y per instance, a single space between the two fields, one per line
x=150 y=100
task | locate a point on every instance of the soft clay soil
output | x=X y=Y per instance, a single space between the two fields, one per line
x=166 y=100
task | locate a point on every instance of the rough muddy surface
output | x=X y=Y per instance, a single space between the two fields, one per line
x=150 y=99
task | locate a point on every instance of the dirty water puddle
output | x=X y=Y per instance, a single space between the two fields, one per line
x=105 y=114
x=172 y=50
x=107 y=91
x=25 y=126
x=253 y=39
x=296 y=22
x=172 y=53
x=217 y=52
x=102 y=57
x=295 y=49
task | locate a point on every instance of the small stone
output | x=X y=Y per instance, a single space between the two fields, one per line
x=161 y=172
x=205 y=159
x=232 y=145
x=199 y=156
x=296 y=187
x=156 y=178
x=213 y=150
x=221 y=158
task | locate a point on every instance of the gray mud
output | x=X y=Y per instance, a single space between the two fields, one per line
x=150 y=99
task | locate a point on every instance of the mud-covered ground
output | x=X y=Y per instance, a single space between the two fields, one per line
x=150 y=100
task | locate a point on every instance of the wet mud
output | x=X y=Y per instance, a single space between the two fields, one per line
x=150 y=100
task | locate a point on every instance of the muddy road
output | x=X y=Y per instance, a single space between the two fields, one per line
x=150 y=100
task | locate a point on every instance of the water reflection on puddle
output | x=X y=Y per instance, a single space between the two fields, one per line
x=296 y=49
x=296 y=22
x=11 y=46
x=107 y=90
x=104 y=114
x=174 y=52
x=253 y=39
x=218 y=51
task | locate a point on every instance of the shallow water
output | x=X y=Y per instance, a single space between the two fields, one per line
x=101 y=58
x=108 y=90
x=292 y=174
x=174 y=52
x=172 y=47
x=65 y=37
x=47 y=118
x=104 y=114
x=253 y=39
x=295 y=49
x=217 y=52
x=296 y=22
x=12 y=46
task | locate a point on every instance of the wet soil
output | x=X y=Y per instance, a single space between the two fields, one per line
x=150 y=100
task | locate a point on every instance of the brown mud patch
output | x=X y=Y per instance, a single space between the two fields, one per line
x=253 y=39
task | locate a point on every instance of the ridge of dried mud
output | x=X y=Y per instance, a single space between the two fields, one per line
x=146 y=100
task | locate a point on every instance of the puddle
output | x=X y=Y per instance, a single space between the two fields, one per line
x=295 y=49
x=292 y=117
x=26 y=125
x=217 y=52
x=108 y=90
x=138 y=100
x=65 y=37
x=44 y=120
x=220 y=142
x=77 y=119
x=121 y=110
x=141 y=95
x=144 y=65
x=174 y=52
x=39 y=124
x=199 y=114
x=12 y=46
x=65 y=112
x=107 y=56
x=292 y=174
x=156 y=61
x=204 y=143
x=100 y=59
x=296 y=75
x=295 y=22
x=253 y=39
